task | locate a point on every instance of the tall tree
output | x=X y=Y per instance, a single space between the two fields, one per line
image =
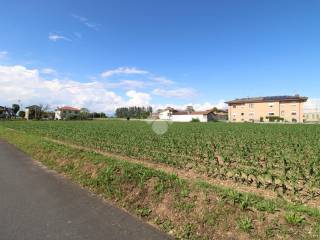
x=15 y=108
x=190 y=109
x=134 y=112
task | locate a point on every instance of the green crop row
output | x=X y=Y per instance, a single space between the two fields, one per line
x=283 y=158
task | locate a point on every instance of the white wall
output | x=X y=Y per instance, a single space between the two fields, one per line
x=165 y=115
x=26 y=116
x=188 y=118
x=57 y=115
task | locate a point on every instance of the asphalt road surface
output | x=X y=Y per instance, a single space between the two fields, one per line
x=37 y=204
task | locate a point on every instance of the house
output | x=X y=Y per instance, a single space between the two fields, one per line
x=174 y=115
x=167 y=113
x=33 y=112
x=312 y=115
x=65 y=112
x=258 y=109
x=185 y=116
x=6 y=113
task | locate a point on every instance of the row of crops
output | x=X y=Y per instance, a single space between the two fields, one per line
x=284 y=158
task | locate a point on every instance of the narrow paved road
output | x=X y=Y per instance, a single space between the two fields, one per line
x=36 y=204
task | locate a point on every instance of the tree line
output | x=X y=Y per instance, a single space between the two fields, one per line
x=133 y=112
x=39 y=112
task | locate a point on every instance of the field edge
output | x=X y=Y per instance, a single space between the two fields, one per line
x=179 y=207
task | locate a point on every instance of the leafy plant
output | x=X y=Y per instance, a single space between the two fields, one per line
x=294 y=218
x=245 y=224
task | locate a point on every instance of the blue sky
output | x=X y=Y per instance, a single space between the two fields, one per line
x=156 y=52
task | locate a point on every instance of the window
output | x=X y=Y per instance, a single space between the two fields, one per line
x=271 y=105
x=282 y=113
x=251 y=114
x=251 y=105
x=234 y=106
x=293 y=104
x=271 y=113
x=242 y=114
x=294 y=113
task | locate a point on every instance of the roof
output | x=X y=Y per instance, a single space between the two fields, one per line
x=69 y=108
x=5 y=108
x=33 y=107
x=193 y=113
x=268 y=99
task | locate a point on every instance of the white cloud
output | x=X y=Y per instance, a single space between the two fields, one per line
x=126 y=84
x=86 y=22
x=175 y=93
x=48 y=71
x=3 y=54
x=56 y=37
x=138 y=98
x=21 y=83
x=162 y=80
x=123 y=71
x=28 y=85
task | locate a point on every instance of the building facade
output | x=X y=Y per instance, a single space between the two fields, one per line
x=183 y=116
x=262 y=109
x=170 y=114
x=33 y=112
x=312 y=115
x=64 y=112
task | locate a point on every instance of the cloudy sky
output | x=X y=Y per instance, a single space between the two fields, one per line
x=103 y=54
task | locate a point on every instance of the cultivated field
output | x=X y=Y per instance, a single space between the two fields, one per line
x=257 y=173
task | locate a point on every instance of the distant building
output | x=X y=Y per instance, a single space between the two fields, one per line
x=64 y=112
x=185 y=116
x=6 y=113
x=312 y=115
x=288 y=108
x=33 y=112
x=167 y=113
x=174 y=115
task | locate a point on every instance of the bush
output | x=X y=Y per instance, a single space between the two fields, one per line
x=72 y=117
x=275 y=119
x=195 y=120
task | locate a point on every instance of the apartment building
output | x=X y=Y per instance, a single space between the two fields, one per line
x=286 y=108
